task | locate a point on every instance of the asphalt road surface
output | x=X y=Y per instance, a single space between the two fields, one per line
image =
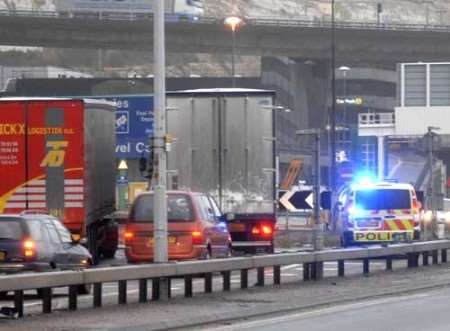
x=428 y=311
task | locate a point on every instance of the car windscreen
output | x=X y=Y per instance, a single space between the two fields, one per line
x=11 y=229
x=179 y=208
x=382 y=199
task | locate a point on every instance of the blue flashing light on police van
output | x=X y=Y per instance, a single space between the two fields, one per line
x=364 y=179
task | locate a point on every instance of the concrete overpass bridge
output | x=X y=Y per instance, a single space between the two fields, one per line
x=356 y=43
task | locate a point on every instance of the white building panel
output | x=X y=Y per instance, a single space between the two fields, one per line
x=414 y=121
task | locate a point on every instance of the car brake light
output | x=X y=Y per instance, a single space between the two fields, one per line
x=197 y=237
x=266 y=230
x=256 y=230
x=29 y=248
x=128 y=235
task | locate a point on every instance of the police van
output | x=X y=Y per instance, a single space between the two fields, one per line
x=379 y=212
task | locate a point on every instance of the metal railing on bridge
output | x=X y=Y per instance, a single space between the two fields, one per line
x=256 y=21
x=313 y=266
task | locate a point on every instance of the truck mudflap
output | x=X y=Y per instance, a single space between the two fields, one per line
x=252 y=233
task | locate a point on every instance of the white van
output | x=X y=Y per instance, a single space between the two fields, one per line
x=379 y=212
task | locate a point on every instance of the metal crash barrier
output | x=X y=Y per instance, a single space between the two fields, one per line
x=154 y=273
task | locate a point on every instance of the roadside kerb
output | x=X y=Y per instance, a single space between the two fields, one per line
x=312 y=270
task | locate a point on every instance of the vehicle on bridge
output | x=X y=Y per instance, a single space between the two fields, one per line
x=196 y=228
x=58 y=155
x=379 y=212
x=133 y=9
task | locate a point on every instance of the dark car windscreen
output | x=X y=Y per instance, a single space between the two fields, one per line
x=383 y=199
x=179 y=208
x=10 y=229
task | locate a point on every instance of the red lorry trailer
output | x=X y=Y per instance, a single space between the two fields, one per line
x=57 y=155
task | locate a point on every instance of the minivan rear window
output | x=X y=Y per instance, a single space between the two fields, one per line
x=383 y=199
x=179 y=208
x=10 y=229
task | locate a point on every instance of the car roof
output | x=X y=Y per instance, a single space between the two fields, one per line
x=26 y=216
x=174 y=192
x=383 y=185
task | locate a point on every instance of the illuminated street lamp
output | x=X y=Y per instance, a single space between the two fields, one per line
x=344 y=70
x=233 y=23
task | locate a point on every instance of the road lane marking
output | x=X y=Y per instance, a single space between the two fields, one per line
x=316 y=313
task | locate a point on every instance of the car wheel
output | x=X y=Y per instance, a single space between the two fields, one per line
x=345 y=239
x=208 y=254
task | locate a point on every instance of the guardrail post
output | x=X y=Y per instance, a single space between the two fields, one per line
x=435 y=256
x=97 y=295
x=444 y=256
x=47 y=300
x=306 y=271
x=317 y=270
x=277 y=275
x=226 y=280
x=142 y=290
x=122 y=291
x=208 y=282
x=389 y=263
x=155 y=289
x=425 y=258
x=260 y=276
x=188 y=286
x=341 y=268
x=413 y=260
x=366 y=266
x=73 y=296
x=165 y=288
x=18 y=302
x=244 y=278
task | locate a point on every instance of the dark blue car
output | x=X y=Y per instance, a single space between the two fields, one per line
x=38 y=242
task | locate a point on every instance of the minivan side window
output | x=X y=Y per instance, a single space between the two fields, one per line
x=206 y=210
x=54 y=238
x=63 y=232
x=36 y=230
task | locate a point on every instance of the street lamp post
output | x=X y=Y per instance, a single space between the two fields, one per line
x=160 y=198
x=318 y=226
x=430 y=200
x=233 y=22
x=344 y=71
x=332 y=116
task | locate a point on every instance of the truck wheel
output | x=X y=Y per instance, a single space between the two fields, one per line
x=416 y=235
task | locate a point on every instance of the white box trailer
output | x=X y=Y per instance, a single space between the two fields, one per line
x=224 y=145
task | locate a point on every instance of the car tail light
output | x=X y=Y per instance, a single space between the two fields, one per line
x=256 y=230
x=197 y=237
x=266 y=230
x=262 y=230
x=29 y=248
x=128 y=235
